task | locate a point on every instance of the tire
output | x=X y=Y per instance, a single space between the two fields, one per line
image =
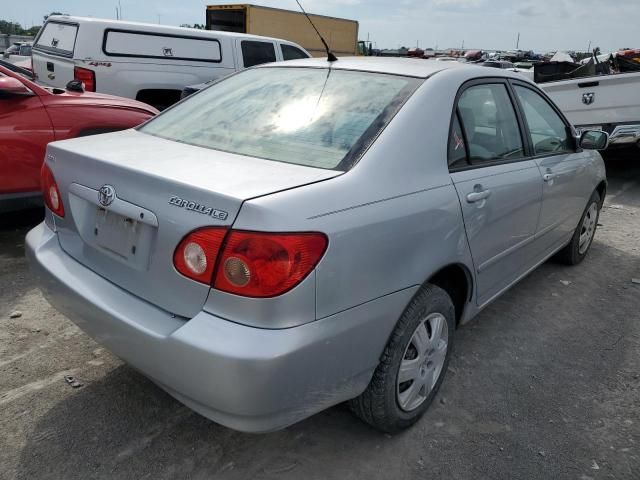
x=386 y=403
x=576 y=251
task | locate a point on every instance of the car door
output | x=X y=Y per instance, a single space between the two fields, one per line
x=25 y=131
x=564 y=170
x=499 y=187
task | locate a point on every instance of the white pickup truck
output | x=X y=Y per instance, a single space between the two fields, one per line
x=603 y=102
x=146 y=62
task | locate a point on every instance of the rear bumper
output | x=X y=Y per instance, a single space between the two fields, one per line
x=625 y=135
x=620 y=134
x=248 y=379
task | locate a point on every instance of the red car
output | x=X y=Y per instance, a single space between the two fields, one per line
x=31 y=116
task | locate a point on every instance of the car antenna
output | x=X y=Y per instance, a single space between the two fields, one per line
x=330 y=56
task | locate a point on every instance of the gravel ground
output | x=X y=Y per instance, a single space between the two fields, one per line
x=544 y=384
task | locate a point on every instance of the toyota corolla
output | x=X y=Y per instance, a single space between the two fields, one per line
x=304 y=234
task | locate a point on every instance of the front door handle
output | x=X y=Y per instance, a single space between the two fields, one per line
x=476 y=197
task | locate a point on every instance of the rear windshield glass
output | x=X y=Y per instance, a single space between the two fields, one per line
x=308 y=116
x=57 y=38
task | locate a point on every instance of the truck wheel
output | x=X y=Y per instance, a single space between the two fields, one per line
x=578 y=248
x=413 y=364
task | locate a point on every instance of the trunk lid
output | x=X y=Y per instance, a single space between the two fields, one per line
x=156 y=191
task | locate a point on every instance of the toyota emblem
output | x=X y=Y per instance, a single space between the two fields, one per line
x=106 y=195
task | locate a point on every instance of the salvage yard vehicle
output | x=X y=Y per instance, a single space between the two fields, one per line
x=293 y=237
x=146 y=62
x=18 y=52
x=603 y=96
x=33 y=116
x=292 y=25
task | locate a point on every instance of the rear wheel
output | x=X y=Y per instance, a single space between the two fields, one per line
x=413 y=364
x=576 y=251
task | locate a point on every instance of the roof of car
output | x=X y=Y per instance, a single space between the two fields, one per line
x=412 y=67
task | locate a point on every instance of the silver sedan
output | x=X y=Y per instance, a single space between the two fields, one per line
x=303 y=234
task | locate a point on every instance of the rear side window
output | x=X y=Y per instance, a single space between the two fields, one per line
x=306 y=116
x=490 y=124
x=549 y=134
x=126 y=43
x=257 y=53
x=457 y=146
x=57 y=38
x=290 y=52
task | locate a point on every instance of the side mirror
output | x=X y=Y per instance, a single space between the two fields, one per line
x=10 y=86
x=594 y=140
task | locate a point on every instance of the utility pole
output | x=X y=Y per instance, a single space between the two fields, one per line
x=518 y=42
x=120 y=10
x=589 y=47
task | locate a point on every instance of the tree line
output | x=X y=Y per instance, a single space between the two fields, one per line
x=15 y=28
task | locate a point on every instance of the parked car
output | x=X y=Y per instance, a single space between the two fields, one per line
x=19 y=51
x=293 y=237
x=609 y=102
x=146 y=62
x=498 y=64
x=34 y=116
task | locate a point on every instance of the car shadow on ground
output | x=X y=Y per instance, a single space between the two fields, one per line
x=123 y=426
x=529 y=382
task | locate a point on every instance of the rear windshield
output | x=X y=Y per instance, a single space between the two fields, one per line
x=307 y=116
x=57 y=38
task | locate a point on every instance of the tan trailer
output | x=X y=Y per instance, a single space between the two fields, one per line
x=341 y=34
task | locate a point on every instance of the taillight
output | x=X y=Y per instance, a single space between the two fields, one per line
x=196 y=254
x=50 y=192
x=86 y=76
x=262 y=265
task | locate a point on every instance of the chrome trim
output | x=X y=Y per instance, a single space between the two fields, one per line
x=625 y=134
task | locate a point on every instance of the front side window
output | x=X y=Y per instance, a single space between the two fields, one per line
x=490 y=124
x=289 y=52
x=307 y=116
x=549 y=133
x=257 y=53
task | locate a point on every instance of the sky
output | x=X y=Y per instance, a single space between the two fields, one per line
x=544 y=25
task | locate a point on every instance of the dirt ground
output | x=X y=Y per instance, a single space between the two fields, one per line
x=545 y=384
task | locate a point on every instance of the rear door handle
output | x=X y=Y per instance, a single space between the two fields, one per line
x=476 y=197
x=547 y=177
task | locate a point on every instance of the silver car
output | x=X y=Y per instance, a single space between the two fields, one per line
x=304 y=234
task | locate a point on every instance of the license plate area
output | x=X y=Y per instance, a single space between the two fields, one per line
x=123 y=232
x=584 y=128
x=116 y=233
x=121 y=237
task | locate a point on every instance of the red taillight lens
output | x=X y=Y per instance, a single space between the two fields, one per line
x=263 y=265
x=86 y=76
x=50 y=192
x=197 y=253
